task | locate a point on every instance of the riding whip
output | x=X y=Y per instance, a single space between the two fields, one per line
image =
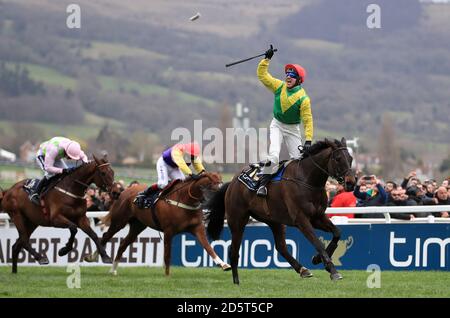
x=248 y=59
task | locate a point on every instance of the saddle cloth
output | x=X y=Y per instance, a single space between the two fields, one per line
x=30 y=185
x=249 y=177
x=149 y=201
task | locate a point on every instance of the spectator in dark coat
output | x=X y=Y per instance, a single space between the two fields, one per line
x=399 y=197
x=374 y=196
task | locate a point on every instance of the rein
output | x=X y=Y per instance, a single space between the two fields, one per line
x=183 y=205
x=83 y=184
x=189 y=189
x=339 y=178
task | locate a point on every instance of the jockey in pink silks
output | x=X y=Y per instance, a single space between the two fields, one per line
x=50 y=158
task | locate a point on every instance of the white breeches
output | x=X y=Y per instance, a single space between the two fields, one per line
x=167 y=173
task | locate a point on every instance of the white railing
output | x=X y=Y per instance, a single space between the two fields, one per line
x=385 y=210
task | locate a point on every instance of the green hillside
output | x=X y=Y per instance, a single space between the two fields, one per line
x=144 y=65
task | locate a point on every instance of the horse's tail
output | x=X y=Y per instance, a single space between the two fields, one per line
x=216 y=204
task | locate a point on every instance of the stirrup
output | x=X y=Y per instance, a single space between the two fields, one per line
x=139 y=201
x=262 y=191
x=35 y=198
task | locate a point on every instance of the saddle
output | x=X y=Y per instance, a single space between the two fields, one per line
x=250 y=176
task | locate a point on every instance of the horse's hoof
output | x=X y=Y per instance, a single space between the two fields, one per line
x=107 y=260
x=305 y=273
x=316 y=260
x=335 y=277
x=64 y=251
x=226 y=267
x=113 y=272
x=90 y=258
x=43 y=261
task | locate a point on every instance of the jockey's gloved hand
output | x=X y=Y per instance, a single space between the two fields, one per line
x=307 y=145
x=68 y=170
x=269 y=52
x=195 y=176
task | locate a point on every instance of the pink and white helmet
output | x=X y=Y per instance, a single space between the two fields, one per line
x=73 y=150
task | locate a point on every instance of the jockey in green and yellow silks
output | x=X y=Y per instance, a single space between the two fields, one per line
x=291 y=107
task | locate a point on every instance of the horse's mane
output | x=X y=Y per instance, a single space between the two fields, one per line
x=322 y=145
x=83 y=164
x=77 y=168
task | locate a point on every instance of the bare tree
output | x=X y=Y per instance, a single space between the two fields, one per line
x=387 y=148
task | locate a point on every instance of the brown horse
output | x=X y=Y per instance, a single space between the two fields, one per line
x=63 y=206
x=298 y=200
x=177 y=210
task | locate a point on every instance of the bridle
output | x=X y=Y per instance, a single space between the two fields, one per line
x=101 y=175
x=191 y=196
x=338 y=175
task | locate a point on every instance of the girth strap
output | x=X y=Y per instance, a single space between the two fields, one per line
x=69 y=193
x=182 y=205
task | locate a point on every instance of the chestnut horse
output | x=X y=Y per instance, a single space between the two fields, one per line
x=62 y=206
x=177 y=210
x=299 y=200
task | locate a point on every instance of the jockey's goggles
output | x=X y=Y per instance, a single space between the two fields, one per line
x=291 y=74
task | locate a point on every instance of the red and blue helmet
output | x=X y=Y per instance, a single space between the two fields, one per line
x=296 y=69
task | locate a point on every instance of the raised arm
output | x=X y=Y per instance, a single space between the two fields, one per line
x=264 y=76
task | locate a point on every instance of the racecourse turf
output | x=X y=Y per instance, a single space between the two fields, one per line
x=212 y=282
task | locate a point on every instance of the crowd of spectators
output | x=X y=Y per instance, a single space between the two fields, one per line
x=98 y=200
x=370 y=191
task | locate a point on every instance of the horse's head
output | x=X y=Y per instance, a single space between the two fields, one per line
x=209 y=181
x=340 y=164
x=104 y=174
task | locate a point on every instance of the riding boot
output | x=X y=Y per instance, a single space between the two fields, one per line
x=139 y=200
x=35 y=196
x=263 y=181
x=150 y=190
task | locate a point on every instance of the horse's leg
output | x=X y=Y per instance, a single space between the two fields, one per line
x=108 y=235
x=23 y=241
x=325 y=224
x=279 y=235
x=69 y=245
x=15 y=254
x=237 y=230
x=84 y=224
x=136 y=227
x=168 y=235
x=308 y=231
x=59 y=220
x=199 y=232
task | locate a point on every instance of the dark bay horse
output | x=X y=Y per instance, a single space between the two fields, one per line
x=299 y=200
x=177 y=210
x=63 y=206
